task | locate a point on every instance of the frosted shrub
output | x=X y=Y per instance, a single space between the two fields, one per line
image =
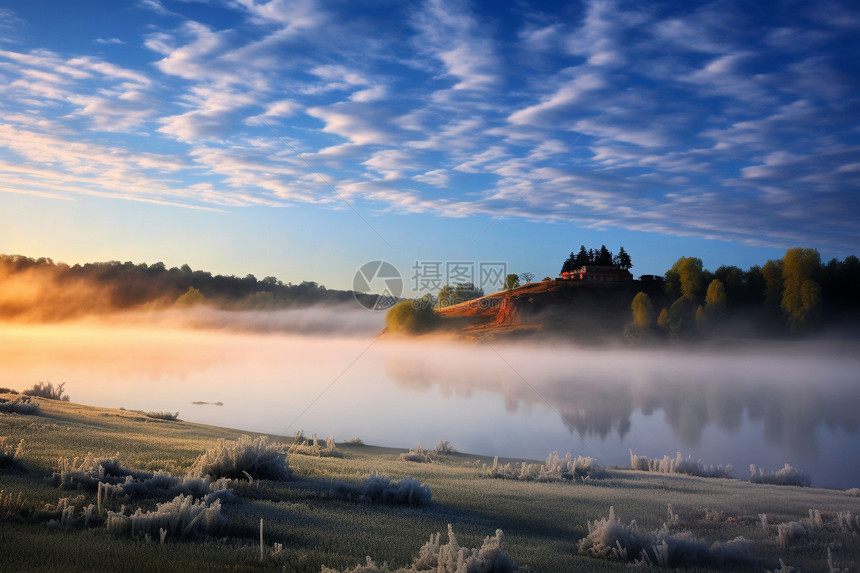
x=181 y=518
x=314 y=448
x=23 y=405
x=678 y=465
x=162 y=484
x=555 y=469
x=790 y=532
x=10 y=458
x=783 y=568
x=240 y=458
x=167 y=416
x=420 y=455
x=444 y=448
x=450 y=558
x=11 y=505
x=788 y=475
x=610 y=539
x=48 y=390
x=380 y=489
x=817 y=529
x=86 y=473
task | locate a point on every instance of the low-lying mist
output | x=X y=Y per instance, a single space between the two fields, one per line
x=325 y=370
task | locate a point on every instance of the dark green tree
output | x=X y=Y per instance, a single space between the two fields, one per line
x=582 y=258
x=512 y=281
x=622 y=260
x=604 y=256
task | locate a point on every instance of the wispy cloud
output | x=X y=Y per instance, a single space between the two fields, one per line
x=693 y=121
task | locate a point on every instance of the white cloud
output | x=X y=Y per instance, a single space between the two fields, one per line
x=436 y=178
x=569 y=94
x=453 y=37
x=356 y=123
x=293 y=16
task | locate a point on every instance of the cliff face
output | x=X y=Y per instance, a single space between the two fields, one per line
x=507 y=314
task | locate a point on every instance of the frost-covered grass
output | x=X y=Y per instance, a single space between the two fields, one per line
x=678 y=465
x=308 y=526
x=788 y=475
x=181 y=518
x=247 y=456
x=24 y=405
x=608 y=538
x=48 y=390
x=312 y=447
x=167 y=416
x=443 y=448
x=555 y=469
x=449 y=558
x=380 y=489
x=11 y=456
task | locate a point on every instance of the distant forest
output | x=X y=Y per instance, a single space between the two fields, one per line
x=40 y=289
x=796 y=294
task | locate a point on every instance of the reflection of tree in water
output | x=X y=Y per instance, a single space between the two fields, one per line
x=724 y=391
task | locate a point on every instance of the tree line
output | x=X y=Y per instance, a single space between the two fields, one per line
x=601 y=256
x=796 y=294
x=42 y=289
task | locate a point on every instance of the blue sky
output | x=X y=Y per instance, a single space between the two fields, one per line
x=300 y=139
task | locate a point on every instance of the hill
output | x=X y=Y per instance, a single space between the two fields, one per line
x=579 y=310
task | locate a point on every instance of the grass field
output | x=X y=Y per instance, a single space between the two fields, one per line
x=324 y=515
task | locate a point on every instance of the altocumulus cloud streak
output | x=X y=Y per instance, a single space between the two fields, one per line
x=717 y=120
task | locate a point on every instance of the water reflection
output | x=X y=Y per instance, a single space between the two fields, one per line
x=767 y=406
x=596 y=393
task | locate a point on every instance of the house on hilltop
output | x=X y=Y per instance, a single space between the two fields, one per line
x=597 y=273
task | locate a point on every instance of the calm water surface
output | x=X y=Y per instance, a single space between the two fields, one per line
x=768 y=406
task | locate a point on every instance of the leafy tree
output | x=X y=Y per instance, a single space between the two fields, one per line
x=512 y=281
x=643 y=311
x=467 y=291
x=622 y=260
x=663 y=318
x=411 y=316
x=700 y=315
x=191 y=297
x=715 y=299
x=682 y=316
x=689 y=275
x=734 y=283
x=461 y=292
x=801 y=295
x=527 y=277
x=772 y=273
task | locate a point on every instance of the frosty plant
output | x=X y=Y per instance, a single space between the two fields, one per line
x=788 y=475
x=245 y=456
x=678 y=465
x=608 y=538
x=314 y=448
x=449 y=558
x=555 y=469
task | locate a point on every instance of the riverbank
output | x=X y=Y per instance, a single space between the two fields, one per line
x=316 y=524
